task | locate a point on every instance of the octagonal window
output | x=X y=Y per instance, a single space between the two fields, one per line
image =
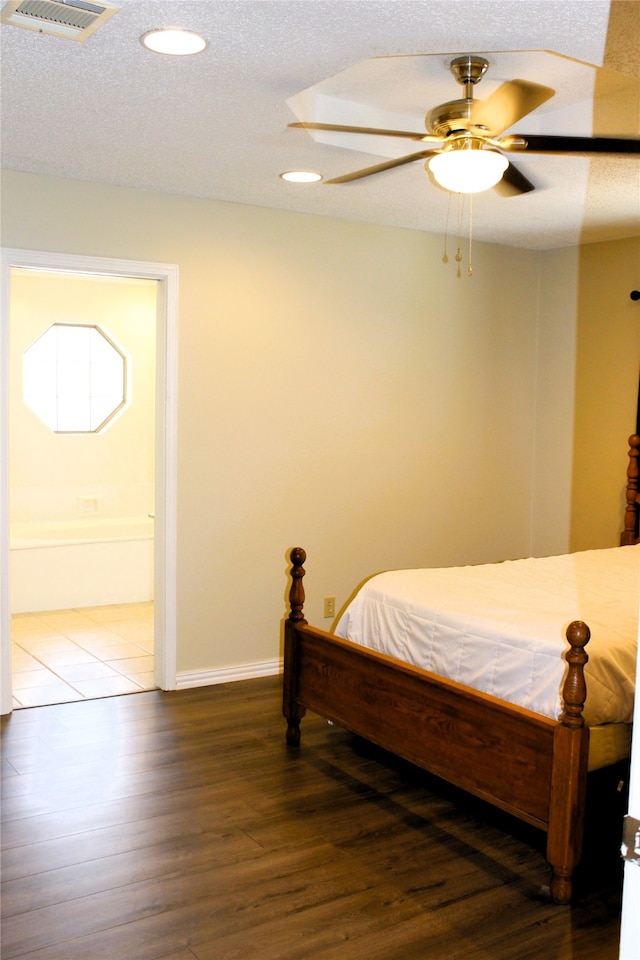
x=75 y=378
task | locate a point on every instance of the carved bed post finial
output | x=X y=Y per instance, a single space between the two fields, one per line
x=292 y=708
x=296 y=593
x=569 y=772
x=631 y=532
x=574 y=692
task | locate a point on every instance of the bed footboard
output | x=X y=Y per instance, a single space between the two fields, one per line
x=528 y=765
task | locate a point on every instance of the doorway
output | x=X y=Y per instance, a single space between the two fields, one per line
x=119 y=514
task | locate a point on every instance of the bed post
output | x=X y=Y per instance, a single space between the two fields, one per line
x=631 y=532
x=292 y=710
x=569 y=773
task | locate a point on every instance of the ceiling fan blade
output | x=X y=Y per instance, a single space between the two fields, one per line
x=513 y=183
x=508 y=104
x=380 y=167
x=536 y=143
x=371 y=131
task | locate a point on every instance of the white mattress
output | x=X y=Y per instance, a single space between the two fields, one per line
x=501 y=627
x=608 y=743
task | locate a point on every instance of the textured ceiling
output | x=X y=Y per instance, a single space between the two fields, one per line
x=215 y=125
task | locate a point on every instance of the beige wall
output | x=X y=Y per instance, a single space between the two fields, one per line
x=553 y=434
x=49 y=473
x=608 y=361
x=339 y=389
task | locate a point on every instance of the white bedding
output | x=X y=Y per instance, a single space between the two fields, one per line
x=501 y=627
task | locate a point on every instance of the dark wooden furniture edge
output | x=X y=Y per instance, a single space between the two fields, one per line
x=631 y=532
x=530 y=766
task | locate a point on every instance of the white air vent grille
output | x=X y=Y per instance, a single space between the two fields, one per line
x=73 y=19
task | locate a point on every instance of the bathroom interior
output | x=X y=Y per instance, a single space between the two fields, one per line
x=81 y=485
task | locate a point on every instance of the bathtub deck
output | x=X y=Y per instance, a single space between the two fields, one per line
x=60 y=656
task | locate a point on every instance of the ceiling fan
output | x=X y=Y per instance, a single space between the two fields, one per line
x=467 y=152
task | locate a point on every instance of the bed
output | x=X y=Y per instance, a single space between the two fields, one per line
x=530 y=758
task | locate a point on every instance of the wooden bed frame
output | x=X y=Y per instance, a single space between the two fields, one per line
x=631 y=533
x=528 y=765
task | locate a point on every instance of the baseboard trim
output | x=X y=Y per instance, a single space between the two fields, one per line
x=241 y=671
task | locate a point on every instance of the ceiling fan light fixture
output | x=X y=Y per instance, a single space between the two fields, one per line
x=173 y=41
x=468 y=167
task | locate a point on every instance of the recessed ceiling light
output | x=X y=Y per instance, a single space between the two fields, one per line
x=301 y=176
x=174 y=41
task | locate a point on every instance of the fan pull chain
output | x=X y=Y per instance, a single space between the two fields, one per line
x=460 y=217
x=445 y=256
x=458 y=254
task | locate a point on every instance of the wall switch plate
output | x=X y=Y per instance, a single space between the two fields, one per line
x=329 y=606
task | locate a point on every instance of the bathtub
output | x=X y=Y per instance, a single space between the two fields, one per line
x=80 y=563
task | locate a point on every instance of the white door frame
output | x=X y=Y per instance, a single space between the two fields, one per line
x=630 y=918
x=166 y=445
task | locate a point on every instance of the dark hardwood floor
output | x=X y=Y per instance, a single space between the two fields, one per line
x=180 y=826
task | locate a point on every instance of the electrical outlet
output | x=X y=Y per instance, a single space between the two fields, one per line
x=329 y=606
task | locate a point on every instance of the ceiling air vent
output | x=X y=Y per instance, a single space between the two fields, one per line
x=73 y=19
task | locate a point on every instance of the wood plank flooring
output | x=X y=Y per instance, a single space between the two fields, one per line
x=180 y=826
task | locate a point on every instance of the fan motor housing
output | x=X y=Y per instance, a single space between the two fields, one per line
x=456 y=114
x=450 y=117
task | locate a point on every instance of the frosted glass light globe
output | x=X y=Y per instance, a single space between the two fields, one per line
x=468 y=170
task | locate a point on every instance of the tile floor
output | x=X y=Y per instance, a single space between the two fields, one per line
x=64 y=655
